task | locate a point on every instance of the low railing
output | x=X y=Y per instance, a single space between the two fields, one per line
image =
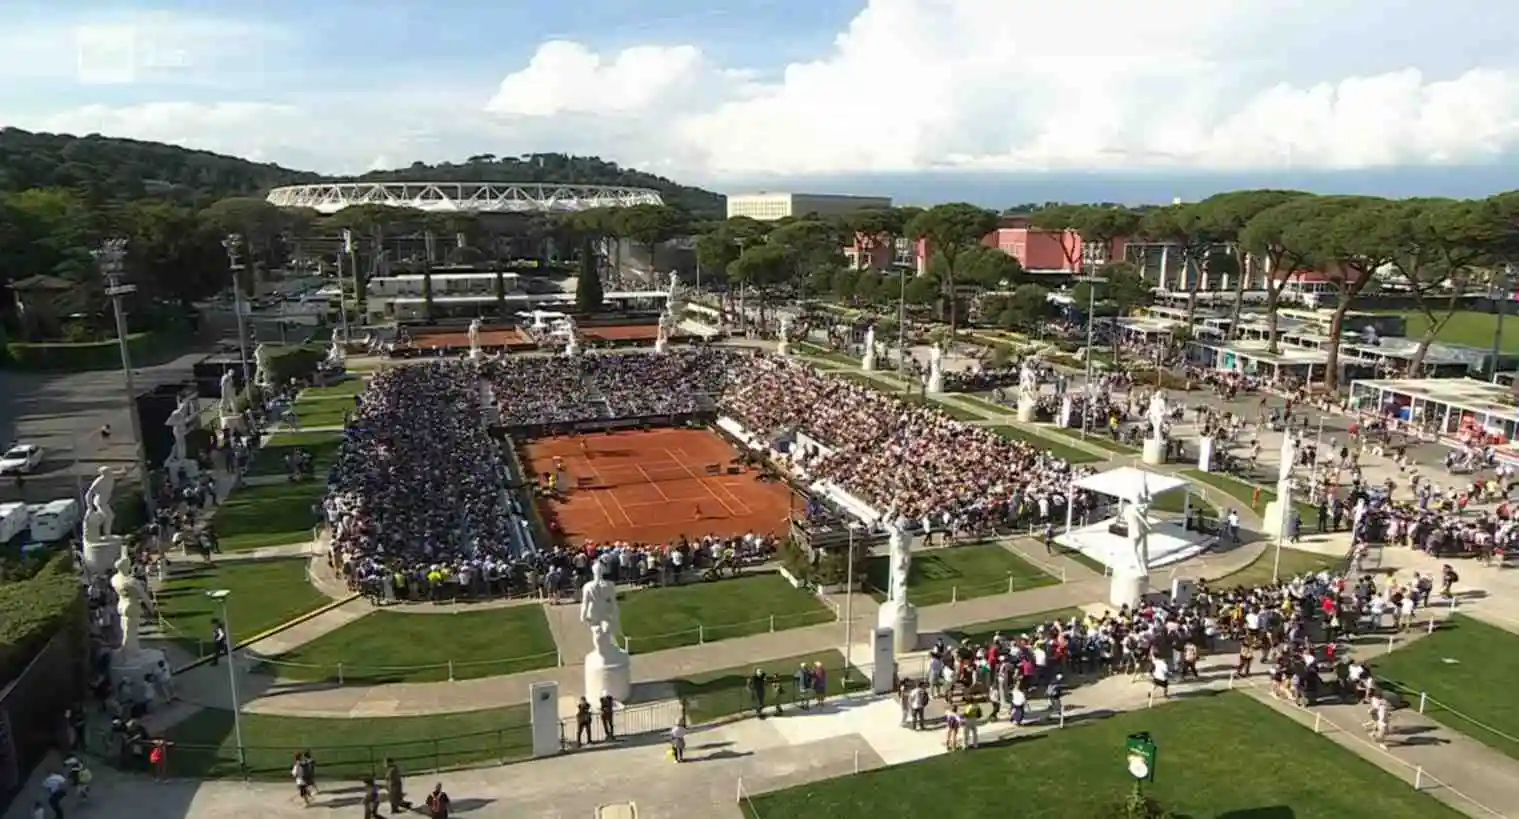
x=344 y=673
x=710 y=632
x=957 y=593
x=1413 y=774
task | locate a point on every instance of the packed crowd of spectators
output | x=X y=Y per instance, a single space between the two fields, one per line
x=557 y=390
x=1296 y=633
x=419 y=484
x=895 y=456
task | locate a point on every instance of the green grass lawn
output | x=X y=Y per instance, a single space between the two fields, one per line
x=322 y=412
x=265 y=593
x=270 y=460
x=1245 y=494
x=1294 y=562
x=1467 y=668
x=257 y=516
x=990 y=407
x=1098 y=438
x=396 y=646
x=1201 y=771
x=724 y=692
x=914 y=397
x=344 y=389
x=820 y=352
x=347 y=749
x=657 y=619
x=981 y=633
x=959 y=573
x=1067 y=452
x=1469 y=327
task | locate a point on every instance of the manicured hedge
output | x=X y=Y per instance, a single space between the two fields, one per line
x=34 y=609
x=146 y=348
x=294 y=361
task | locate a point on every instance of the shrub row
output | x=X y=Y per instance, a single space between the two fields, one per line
x=34 y=609
x=146 y=348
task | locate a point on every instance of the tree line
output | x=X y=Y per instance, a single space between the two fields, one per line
x=1435 y=250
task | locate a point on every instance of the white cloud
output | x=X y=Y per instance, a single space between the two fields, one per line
x=915 y=84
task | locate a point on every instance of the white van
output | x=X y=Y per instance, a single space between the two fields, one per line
x=55 y=520
x=14 y=519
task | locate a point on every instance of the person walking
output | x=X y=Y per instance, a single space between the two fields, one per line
x=395 y=788
x=608 y=708
x=371 y=798
x=438 y=802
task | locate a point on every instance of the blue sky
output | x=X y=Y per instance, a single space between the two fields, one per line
x=768 y=92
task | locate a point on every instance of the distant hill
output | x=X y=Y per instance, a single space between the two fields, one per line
x=107 y=169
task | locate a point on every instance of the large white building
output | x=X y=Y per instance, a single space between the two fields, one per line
x=767 y=207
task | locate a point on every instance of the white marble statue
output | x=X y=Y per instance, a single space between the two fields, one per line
x=598 y=603
x=901 y=562
x=1136 y=518
x=179 y=423
x=1157 y=414
x=335 y=352
x=1289 y=457
x=100 y=491
x=783 y=336
x=1028 y=381
x=261 y=365
x=130 y=596
x=868 y=361
x=474 y=338
x=935 y=368
x=97 y=524
x=228 y=403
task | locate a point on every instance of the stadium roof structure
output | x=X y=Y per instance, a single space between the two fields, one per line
x=463 y=197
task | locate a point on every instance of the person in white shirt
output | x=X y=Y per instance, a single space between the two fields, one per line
x=678 y=743
x=1160 y=677
x=1380 y=716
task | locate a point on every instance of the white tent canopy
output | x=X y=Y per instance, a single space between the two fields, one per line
x=1128 y=483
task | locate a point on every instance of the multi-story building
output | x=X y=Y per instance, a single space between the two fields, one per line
x=768 y=207
x=1036 y=249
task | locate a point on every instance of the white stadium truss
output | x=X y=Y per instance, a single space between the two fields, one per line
x=463 y=197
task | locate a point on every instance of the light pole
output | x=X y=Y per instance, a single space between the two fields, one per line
x=220 y=597
x=1086 y=409
x=902 y=329
x=233 y=244
x=1501 y=295
x=108 y=257
x=849 y=601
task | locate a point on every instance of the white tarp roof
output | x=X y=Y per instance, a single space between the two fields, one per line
x=1127 y=483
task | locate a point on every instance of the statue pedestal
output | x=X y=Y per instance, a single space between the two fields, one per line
x=233 y=423
x=101 y=554
x=181 y=470
x=1067 y=409
x=1154 y=452
x=1026 y=407
x=782 y=347
x=935 y=383
x=475 y=354
x=1205 y=454
x=902 y=619
x=612 y=674
x=573 y=347
x=661 y=344
x=1276 y=521
x=134 y=665
x=868 y=363
x=1127 y=589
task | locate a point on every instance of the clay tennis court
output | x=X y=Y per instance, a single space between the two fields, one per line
x=653 y=486
x=459 y=340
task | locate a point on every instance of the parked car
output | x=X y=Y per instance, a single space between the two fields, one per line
x=21 y=459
